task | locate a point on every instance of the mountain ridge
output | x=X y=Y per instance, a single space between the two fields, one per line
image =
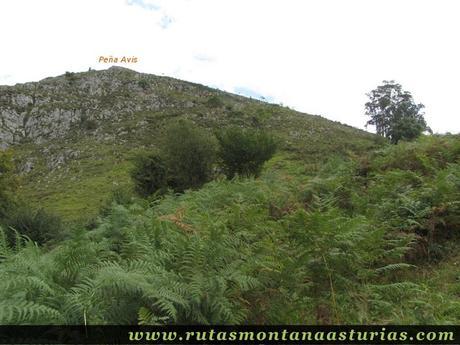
x=20 y=103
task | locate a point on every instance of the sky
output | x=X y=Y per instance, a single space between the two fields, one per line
x=316 y=56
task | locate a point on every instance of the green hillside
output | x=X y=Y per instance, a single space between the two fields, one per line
x=110 y=115
x=340 y=227
x=367 y=240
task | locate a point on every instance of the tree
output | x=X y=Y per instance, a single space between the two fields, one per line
x=189 y=153
x=244 y=151
x=394 y=113
x=149 y=174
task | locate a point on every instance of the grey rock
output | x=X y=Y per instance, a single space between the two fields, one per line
x=27 y=166
x=49 y=109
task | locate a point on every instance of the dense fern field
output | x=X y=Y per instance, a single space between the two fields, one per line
x=358 y=240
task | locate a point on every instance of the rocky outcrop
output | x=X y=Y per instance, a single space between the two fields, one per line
x=39 y=111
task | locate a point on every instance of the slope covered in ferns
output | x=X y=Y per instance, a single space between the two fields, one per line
x=369 y=238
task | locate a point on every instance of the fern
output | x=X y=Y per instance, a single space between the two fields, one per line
x=27 y=312
x=394 y=267
x=336 y=252
x=5 y=250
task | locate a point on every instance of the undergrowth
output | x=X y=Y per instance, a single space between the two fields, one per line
x=354 y=241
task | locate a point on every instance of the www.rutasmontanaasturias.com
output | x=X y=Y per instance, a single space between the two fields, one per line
x=292 y=336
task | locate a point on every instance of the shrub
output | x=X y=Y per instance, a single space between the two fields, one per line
x=39 y=225
x=149 y=174
x=189 y=153
x=215 y=102
x=87 y=124
x=90 y=125
x=70 y=77
x=120 y=195
x=143 y=84
x=244 y=151
x=8 y=183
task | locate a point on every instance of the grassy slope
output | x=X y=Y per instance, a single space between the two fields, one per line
x=79 y=187
x=301 y=244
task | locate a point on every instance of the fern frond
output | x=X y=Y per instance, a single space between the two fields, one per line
x=394 y=267
x=26 y=312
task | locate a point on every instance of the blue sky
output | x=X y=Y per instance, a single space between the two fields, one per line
x=316 y=56
x=241 y=90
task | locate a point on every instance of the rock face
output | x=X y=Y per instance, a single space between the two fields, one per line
x=38 y=111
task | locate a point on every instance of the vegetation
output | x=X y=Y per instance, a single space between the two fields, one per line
x=244 y=151
x=143 y=84
x=336 y=226
x=394 y=113
x=70 y=77
x=186 y=158
x=82 y=185
x=350 y=242
x=39 y=225
x=17 y=216
x=189 y=153
x=149 y=174
x=215 y=102
x=8 y=182
x=88 y=124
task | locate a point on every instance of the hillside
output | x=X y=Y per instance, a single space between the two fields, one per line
x=366 y=240
x=74 y=135
x=339 y=227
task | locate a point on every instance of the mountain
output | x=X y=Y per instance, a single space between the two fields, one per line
x=74 y=135
x=340 y=227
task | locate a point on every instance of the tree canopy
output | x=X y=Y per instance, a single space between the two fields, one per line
x=244 y=151
x=189 y=153
x=394 y=113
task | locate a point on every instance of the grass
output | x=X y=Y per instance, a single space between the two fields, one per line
x=78 y=188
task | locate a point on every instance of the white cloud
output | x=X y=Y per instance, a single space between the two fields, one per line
x=317 y=56
x=145 y=4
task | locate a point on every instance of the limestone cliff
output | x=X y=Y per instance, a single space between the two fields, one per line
x=39 y=111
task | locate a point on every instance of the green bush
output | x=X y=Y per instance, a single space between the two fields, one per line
x=70 y=77
x=149 y=174
x=144 y=84
x=120 y=195
x=215 y=102
x=90 y=125
x=189 y=153
x=8 y=183
x=39 y=225
x=87 y=123
x=244 y=151
x=426 y=155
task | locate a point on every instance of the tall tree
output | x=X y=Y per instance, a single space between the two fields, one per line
x=394 y=113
